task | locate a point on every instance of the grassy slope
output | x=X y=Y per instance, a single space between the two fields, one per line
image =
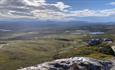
x=20 y=53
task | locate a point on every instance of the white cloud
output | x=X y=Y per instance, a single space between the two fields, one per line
x=34 y=2
x=46 y=14
x=61 y=6
x=93 y=13
x=42 y=10
x=32 y=9
x=112 y=3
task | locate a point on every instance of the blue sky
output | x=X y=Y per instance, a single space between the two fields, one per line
x=59 y=10
x=86 y=4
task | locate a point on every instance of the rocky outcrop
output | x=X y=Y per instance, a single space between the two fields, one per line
x=76 y=63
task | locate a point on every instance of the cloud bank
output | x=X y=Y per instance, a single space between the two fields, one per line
x=32 y=9
x=40 y=9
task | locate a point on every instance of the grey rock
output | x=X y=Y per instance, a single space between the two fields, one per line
x=76 y=63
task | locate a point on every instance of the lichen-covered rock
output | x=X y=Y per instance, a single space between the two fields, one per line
x=76 y=63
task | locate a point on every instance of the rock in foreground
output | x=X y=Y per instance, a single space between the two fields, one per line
x=76 y=63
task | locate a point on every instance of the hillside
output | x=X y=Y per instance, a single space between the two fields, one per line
x=26 y=45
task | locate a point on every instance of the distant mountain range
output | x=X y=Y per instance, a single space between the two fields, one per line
x=36 y=25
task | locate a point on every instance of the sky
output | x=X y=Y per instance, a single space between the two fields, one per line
x=59 y=10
